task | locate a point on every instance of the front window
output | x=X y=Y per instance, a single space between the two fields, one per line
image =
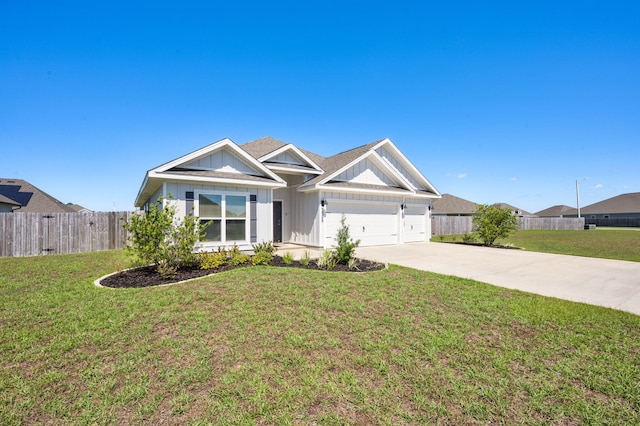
x=226 y=216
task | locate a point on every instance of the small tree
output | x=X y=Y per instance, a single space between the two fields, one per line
x=491 y=223
x=345 y=251
x=158 y=238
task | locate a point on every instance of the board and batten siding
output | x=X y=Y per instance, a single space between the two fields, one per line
x=264 y=198
x=223 y=161
x=365 y=172
x=306 y=219
x=34 y=234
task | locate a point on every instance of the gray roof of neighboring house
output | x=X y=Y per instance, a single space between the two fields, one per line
x=518 y=210
x=557 y=211
x=450 y=204
x=7 y=200
x=623 y=203
x=30 y=198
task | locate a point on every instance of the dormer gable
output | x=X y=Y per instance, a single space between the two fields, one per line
x=289 y=158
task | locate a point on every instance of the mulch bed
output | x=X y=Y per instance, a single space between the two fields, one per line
x=147 y=276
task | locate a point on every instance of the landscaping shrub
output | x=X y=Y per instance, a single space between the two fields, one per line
x=306 y=258
x=265 y=246
x=287 y=258
x=262 y=258
x=345 y=251
x=157 y=237
x=491 y=223
x=213 y=259
x=237 y=258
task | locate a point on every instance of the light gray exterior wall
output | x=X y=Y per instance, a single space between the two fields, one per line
x=264 y=206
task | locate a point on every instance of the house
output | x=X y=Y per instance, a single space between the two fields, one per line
x=269 y=190
x=624 y=206
x=558 y=211
x=450 y=205
x=20 y=195
x=515 y=210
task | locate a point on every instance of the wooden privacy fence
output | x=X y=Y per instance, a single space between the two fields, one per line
x=448 y=225
x=32 y=234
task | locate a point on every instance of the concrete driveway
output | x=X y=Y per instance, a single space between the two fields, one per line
x=611 y=283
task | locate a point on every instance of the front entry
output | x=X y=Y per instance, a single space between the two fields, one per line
x=277 y=221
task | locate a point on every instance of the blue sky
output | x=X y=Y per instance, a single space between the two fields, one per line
x=492 y=101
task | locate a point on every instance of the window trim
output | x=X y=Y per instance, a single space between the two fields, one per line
x=223 y=219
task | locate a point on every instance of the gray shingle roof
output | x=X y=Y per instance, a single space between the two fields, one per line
x=623 y=203
x=515 y=209
x=450 y=204
x=557 y=211
x=30 y=198
x=263 y=146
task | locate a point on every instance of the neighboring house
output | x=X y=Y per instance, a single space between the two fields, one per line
x=515 y=210
x=78 y=208
x=20 y=195
x=624 y=206
x=268 y=190
x=450 y=205
x=558 y=211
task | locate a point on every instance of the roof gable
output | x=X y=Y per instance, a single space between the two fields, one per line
x=396 y=169
x=398 y=161
x=366 y=171
x=220 y=162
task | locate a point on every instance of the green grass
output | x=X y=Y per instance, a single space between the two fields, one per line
x=264 y=345
x=608 y=244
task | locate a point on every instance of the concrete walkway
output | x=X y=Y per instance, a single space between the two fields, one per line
x=611 y=283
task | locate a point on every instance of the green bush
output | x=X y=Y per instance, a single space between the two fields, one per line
x=324 y=258
x=491 y=223
x=262 y=258
x=213 y=259
x=265 y=246
x=287 y=258
x=468 y=238
x=345 y=251
x=157 y=237
x=238 y=258
x=306 y=258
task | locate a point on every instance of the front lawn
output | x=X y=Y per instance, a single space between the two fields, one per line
x=265 y=345
x=617 y=244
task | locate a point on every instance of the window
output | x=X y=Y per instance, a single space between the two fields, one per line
x=226 y=216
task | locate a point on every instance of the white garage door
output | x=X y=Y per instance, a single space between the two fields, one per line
x=372 y=224
x=414 y=223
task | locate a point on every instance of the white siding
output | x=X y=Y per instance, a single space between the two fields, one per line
x=384 y=153
x=287 y=158
x=264 y=207
x=365 y=172
x=223 y=160
x=306 y=221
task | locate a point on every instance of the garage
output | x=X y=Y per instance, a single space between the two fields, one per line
x=371 y=223
x=414 y=223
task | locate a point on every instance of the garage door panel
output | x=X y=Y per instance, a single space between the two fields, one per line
x=414 y=224
x=372 y=224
